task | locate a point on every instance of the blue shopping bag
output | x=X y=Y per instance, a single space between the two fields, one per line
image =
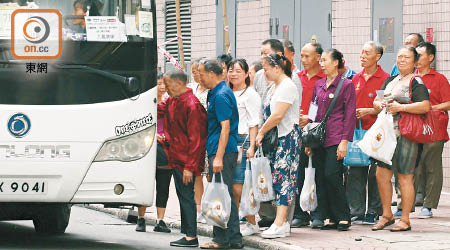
x=355 y=157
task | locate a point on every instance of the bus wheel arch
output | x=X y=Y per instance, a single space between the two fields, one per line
x=52 y=218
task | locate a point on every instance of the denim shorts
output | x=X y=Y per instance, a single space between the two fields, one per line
x=239 y=170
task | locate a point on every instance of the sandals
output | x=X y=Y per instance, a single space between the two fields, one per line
x=383 y=222
x=343 y=226
x=399 y=228
x=329 y=226
x=214 y=245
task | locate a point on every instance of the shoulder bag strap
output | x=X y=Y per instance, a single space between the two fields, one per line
x=419 y=80
x=336 y=94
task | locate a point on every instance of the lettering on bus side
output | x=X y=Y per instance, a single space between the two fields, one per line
x=134 y=125
x=35 y=151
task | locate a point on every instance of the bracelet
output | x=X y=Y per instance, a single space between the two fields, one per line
x=404 y=107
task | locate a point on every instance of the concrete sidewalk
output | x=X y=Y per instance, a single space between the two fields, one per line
x=431 y=233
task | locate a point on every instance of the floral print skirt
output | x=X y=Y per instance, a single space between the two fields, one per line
x=284 y=163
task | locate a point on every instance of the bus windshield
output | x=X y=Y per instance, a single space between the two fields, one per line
x=124 y=47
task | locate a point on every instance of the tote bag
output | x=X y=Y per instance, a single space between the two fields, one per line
x=308 y=196
x=249 y=205
x=262 y=177
x=380 y=140
x=355 y=156
x=216 y=203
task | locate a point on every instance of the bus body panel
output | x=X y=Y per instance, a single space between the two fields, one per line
x=84 y=128
x=98 y=185
x=78 y=123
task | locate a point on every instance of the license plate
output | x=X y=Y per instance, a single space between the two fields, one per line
x=23 y=187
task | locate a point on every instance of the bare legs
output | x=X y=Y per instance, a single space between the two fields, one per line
x=281 y=216
x=198 y=192
x=385 y=189
x=237 y=193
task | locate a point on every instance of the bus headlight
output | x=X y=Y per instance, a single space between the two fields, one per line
x=127 y=148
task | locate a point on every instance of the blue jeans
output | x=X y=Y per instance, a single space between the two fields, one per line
x=239 y=170
x=232 y=234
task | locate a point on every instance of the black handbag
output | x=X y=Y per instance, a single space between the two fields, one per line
x=270 y=141
x=313 y=134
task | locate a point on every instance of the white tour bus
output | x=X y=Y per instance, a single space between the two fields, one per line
x=79 y=129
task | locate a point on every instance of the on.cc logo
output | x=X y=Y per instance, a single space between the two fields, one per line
x=36 y=34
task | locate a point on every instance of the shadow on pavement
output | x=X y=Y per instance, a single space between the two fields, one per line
x=14 y=236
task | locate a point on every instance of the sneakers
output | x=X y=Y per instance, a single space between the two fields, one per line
x=425 y=213
x=275 y=231
x=316 y=224
x=370 y=219
x=184 y=243
x=249 y=229
x=200 y=218
x=162 y=228
x=398 y=214
x=140 y=225
x=357 y=220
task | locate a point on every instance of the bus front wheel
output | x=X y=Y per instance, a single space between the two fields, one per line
x=52 y=218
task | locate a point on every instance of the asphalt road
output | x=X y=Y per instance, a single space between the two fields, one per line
x=87 y=229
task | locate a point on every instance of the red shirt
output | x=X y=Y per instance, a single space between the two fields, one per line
x=308 y=88
x=186 y=130
x=439 y=89
x=366 y=93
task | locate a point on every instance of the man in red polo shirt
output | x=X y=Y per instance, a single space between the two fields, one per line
x=430 y=174
x=367 y=82
x=310 y=56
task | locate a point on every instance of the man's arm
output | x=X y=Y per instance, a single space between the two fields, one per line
x=445 y=106
x=223 y=141
x=196 y=126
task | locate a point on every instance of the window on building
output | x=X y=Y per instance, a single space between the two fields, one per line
x=171 y=28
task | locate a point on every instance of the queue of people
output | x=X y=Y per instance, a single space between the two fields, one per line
x=231 y=106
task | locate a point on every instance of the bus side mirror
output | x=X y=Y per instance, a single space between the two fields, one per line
x=131 y=84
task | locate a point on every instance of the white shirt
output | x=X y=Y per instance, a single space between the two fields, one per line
x=249 y=108
x=262 y=87
x=202 y=95
x=286 y=92
x=260 y=84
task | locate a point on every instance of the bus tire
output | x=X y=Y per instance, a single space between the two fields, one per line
x=52 y=219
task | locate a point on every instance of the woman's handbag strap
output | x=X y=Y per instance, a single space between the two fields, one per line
x=336 y=94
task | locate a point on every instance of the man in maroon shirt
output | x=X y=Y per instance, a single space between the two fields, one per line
x=186 y=130
x=367 y=82
x=310 y=56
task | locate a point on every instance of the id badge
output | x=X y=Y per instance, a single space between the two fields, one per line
x=312 y=113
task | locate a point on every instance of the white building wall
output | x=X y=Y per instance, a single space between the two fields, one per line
x=351 y=29
x=203 y=21
x=160 y=28
x=252 y=28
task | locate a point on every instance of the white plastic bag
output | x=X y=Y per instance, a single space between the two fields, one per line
x=216 y=203
x=249 y=205
x=262 y=177
x=308 y=197
x=380 y=140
